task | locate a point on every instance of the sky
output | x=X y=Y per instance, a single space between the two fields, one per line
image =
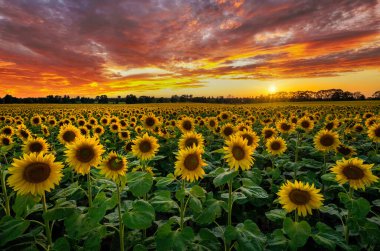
x=200 y=47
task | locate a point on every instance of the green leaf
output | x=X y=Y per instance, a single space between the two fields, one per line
x=162 y=201
x=23 y=204
x=61 y=244
x=140 y=217
x=139 y=247
x=167 y=239
x=139 y=183
x=298 y=232
x=328 y=237
x=58 y=213
x=165 y=181
x=360 y=208
x=11 y=228
x=207 y=241
x=212 y=210
x=198 y=192
x=376 y=202
x=247 y=234
x=195 y=204
x=66 y=192
x=276 y=214
x=277 y=240
x=250 y=189
x=328 y=177
x=224 y=177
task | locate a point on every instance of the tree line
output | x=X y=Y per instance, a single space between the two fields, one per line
x=297 y=96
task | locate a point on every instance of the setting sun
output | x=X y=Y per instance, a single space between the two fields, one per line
x=272 y=89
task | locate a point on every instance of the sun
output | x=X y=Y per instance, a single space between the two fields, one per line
x=272 y=89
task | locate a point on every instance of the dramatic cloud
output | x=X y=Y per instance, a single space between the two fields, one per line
x=115 y=47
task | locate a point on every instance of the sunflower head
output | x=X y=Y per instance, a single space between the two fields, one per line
x=353 y=171
x=276 y=146
x=124 y=135
x=35 y=145
x=83 y=154
x=68 y=134
x=374 y=132
x=149 y=121
x=326 y=140
x=5 y=140
x=284 y=126
x=251 y=137
x=305 y=123
x=113 y=167
x=189 y=164
x=145 y=147
x=186 y=124
x=190 y=139
x=346 y=151
x=299 y=196
x=238 y=153
x=35 y=174
x=268 y=132
x=227 y=130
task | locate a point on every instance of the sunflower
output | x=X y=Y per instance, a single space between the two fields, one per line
x=98 y=130
x=104 y=121
x=353 y=171
x=35 y=145
x=115 y=127
x=358 y=128
x=346 y=151
x=23 y=133
x=7 y=130
x=306 y=124
x=374 y=132
x=149 y=121
x=238 y=153
x=299 y=196
x=35 y=173
x=139 y=129
x=124 y=135
x=84 y=132
x=35 y=120
x=128 y=146
x=251 y=137
x=284 y=126
x=268 y=132
x=83 y=154
x=68 y=134
x=5 y=140
x=326 y=140
x=145 y=147
x=191 y=138
x=113 y=167
x=276 y=146
x=186 y=124
x=227 y=130
x=189 y=164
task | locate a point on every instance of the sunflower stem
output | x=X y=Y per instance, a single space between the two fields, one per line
x=230 y=202
x=89 y=195
x=182 y=212
x=121 y=225
x=295 y=216
x=47 y=227
x=4 y=188
x=296 y=156
x=324 y=169
x=346 y=229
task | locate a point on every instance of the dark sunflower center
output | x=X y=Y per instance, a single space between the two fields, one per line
x=51 y=122
x=36 y=172
x=81 y=123
x=299 y=197
x=268 y=134
x=114 y=127
x=224 y=116
x=145 y=146
x=305 y=124
x=248 y=138
x=191 y=162
x=98 y=130
x=6 y=141
x=275 y=145
x=85 y=154
x=344 y=150
x=128 y=147
x=68 y=136
x=124 y=134
x=353 y=172
x=285 y=127
x=149 y=121
x=228 y=131
x=329 y=126
x=187 y=125
x=377 y=131
x=36 y=120
x=212 y=123
x=327 y=140
x=294 y=120
x=24 y=134
x=115 y=164
x=7 y=131
x=190 y=142
x=238 y=152
x=35 y=147
x=358 y=128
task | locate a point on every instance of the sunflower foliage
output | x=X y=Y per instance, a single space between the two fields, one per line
x=291 y=176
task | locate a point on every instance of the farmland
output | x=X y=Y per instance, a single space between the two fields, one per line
x=281 y=176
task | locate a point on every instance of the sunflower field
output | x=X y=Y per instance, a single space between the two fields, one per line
x=289 y=176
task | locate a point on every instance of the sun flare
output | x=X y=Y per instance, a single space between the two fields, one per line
x=272 y=89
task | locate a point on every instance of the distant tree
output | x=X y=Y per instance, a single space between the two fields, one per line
x=103 y=99
x=130 y=99
x=376 y=95
x=9 y=99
